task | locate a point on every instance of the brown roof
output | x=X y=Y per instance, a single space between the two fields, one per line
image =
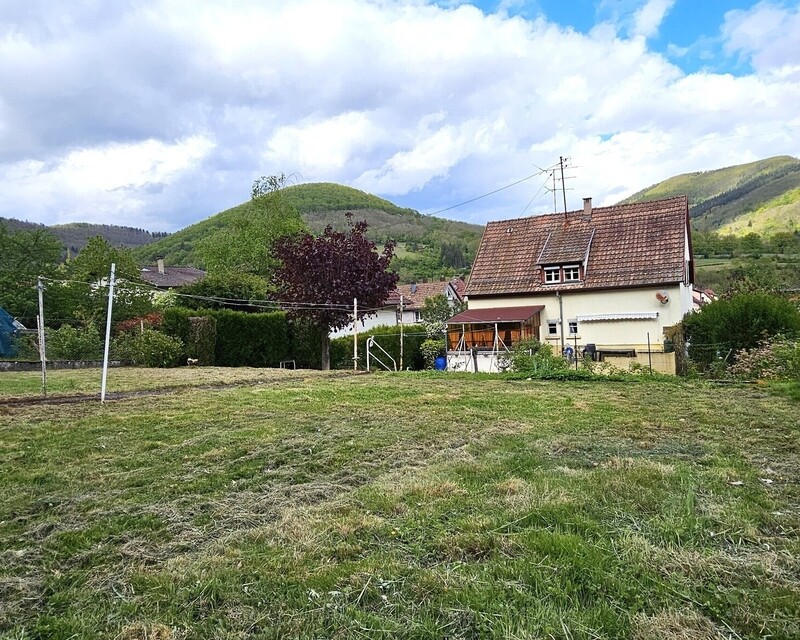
x=498 y=314
x=414 y=295
x=620 y=246
x=172 y=276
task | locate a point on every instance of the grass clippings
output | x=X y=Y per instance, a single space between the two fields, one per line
x=402 y=506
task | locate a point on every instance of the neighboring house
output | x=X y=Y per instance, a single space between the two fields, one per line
x=386 y=315
x=605 y=280
x=413 y=299
x=414 y=296
x=701 y=297
x=170 y=277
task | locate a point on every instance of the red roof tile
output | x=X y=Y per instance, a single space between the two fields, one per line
x=414 y=295
x=620 y=246
x=498 y=314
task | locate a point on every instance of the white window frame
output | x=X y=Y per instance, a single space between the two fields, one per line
x=552 y=328
x=552 y=275
x=572 y=324
x=417 y=316
x=574 y=269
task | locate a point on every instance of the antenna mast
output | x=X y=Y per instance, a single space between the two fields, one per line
x=563 y=186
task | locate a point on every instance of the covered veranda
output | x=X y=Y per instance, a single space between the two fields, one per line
x=478 y=338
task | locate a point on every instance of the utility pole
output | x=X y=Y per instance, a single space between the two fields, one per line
x=108 y=333
x=40 y=326
x=563 y=186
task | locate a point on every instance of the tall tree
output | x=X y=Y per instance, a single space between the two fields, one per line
x=246 y=244
x=24 y=255
x=321 y=276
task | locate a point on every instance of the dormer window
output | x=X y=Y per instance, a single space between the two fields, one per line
x=552 y=275
x=566 y=273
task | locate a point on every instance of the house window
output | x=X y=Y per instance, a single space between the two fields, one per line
x=552 y=327
x=573 y=327
x=572 y=273
x=418 y=316
x=552 y=275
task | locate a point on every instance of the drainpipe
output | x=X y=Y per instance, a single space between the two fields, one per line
x=561 y=318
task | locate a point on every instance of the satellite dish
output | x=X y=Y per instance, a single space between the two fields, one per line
x=662 y=297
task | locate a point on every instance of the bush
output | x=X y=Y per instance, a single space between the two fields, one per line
x=148 y=348
x=776 y=359
x=243 y=339
x=724 y=328
x=152 y=320
x=202 y=341
x=431 y=349
x=71 y=343
x=535 y=359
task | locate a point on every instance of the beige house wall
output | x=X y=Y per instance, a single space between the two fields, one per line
x=609 y=334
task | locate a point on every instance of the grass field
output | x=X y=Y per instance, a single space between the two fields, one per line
x=306 y=505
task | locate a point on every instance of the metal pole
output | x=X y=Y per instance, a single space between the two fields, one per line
x=355 y=334
x=40 y=327
x=649 y=354
x=401 y=333
x=575 y=353
x=108 y=333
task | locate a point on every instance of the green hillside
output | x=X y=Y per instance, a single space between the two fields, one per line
x=746 y=192
x=779 y=214
x=75 y=235
x=427 y=247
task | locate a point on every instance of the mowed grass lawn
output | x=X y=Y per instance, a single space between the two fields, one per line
x=406 y=505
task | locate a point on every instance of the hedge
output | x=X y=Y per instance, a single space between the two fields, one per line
x=243 y=339
x=388 y=337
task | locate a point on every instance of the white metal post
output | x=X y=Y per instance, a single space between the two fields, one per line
x=108 y=333
x=355 y=334
x=401 y=333
x=40 y=327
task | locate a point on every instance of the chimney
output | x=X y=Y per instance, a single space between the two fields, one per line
x=413 y=287
x=587 y=206
x=160 y=262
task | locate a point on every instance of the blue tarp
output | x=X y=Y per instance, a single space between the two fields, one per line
x=8 y=330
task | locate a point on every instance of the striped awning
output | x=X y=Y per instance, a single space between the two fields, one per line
x=629 y=315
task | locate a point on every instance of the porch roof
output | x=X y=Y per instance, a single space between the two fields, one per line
x=497 y=314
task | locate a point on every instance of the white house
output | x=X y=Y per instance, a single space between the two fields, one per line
x=605 y=280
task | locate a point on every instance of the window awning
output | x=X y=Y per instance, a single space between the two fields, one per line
x=498 y=314
x=630 y=315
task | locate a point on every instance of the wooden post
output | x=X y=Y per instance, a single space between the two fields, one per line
x=108 y=333
x=355 y=334
x=401 y=333
x=40 y=327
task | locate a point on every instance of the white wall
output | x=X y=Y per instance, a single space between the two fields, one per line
x=383 y=317
x=606 y=333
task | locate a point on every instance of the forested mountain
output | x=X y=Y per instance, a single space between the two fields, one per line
x=75 y=235
x=427 y=246
x=761 y=197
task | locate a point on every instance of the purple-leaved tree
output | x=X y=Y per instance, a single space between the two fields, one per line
x=320 y=277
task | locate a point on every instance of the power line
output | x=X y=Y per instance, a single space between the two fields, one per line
x=491 y=193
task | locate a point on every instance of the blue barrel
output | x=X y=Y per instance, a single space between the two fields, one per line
x=440 y=364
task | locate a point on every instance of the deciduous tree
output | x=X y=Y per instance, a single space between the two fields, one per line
x=319 y=277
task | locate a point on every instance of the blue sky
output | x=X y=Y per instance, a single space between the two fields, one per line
x=160 y=113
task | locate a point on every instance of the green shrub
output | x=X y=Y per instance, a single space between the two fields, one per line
x=722 y=329
x=536 y=359
x=71 y=343
x=431 y=349
x=202 y=341
x=149 y=348
x=776 y=359
x=243 y=339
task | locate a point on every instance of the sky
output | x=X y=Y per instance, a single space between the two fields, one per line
x=160 y=113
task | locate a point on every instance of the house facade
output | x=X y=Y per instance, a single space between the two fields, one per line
x=606 y=281
x=415 y=294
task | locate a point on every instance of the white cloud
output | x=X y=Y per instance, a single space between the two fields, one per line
x=767 y=35
x=648 y=18
x=166 y=110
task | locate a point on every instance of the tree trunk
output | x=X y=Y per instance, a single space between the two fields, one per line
x=326 y=350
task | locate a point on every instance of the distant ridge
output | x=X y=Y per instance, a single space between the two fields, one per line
x=759 y=197
x=75 y=235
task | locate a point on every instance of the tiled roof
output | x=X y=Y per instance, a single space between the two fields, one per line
x=626 y=245
x=172 y=276
x=414 y=295
x=498 y=314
